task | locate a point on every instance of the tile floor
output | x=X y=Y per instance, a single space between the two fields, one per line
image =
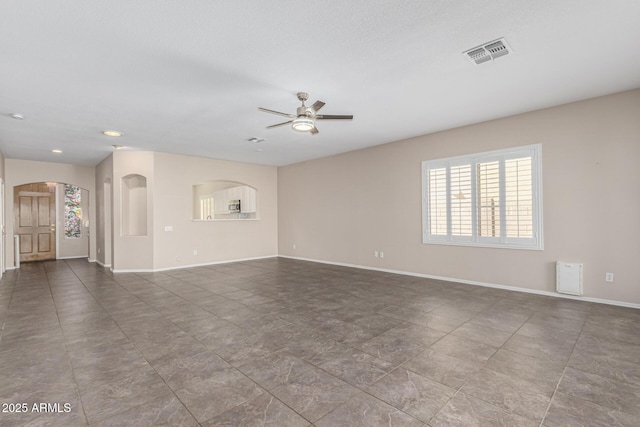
x=279 y=342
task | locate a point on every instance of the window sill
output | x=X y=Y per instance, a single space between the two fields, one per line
x=486 y=245
x=226 y=219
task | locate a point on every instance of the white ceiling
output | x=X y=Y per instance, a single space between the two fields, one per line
x=187 y=76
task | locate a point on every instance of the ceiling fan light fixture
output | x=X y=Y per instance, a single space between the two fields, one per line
x=303 y=124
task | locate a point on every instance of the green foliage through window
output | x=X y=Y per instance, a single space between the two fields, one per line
x=72 y=212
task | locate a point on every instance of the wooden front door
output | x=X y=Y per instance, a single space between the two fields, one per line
x=35 y=221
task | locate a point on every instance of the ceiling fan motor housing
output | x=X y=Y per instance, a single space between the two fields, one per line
x=304 y=111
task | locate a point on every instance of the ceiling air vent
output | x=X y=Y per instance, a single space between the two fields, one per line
x=488 y=51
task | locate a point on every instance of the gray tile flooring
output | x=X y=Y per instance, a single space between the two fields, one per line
x=278 y=342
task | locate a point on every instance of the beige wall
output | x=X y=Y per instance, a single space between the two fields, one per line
x=104 y=211
x=214 y=241
x=71 y=248
x=343 y=208
x=3 y=213
x=170 y=180
x=18 y=172
x=132 y=252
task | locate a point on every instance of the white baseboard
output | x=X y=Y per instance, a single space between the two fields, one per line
x=473 y=282
x=156 y=270
x=73 y=257
x=100 y=263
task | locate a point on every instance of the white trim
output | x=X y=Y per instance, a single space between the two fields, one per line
x=59 y=220
x=534 y=151
x=74 y=257
x=483 y=245
x=227 y=219
x=100 y=263
x=2 y=232
x=473 y=282
x=13 y=267
x=155 y=270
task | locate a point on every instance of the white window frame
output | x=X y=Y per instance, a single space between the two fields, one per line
x=534 y=243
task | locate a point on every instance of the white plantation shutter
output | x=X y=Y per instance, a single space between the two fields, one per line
x=486 y=199
x=519 y=197
x=488 y=185
x=438 y=224
x=461 y=201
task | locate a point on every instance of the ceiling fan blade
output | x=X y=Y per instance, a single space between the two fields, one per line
x=314 y=130
x=317 y=105
x=266 y=110
x=279 y=124
x=334 y=117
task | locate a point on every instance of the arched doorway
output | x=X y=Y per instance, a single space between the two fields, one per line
x=51 y=221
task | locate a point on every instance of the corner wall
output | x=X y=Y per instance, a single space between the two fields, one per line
x=343 y=208
x=3 y=215
x=214 y=241
x=104 y=211
x=174 y=239
x=132 y=252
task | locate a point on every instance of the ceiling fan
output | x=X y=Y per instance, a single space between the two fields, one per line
x=305 y=118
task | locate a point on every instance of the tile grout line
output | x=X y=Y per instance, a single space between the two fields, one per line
x=231 y=366
x=459 y=389
x=132 y=343
x=564 y=370
x=153 y=299
x=64 y=343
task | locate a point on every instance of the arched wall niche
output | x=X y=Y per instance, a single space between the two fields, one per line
x=134 y=205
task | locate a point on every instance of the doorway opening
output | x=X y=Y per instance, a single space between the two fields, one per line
x=108 y=235
x=51 y=221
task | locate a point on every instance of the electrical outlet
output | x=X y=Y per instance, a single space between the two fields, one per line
x=375 y=254
x=195 y=252
x=608 y=277
x=381 y=254
x=294 y=246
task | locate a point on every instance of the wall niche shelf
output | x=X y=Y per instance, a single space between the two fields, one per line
x=134 y=205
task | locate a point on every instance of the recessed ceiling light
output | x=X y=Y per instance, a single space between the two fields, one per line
x=118 y=147
x=112 y=133
x=56 y=150
x=258 y=149
x=17 y=116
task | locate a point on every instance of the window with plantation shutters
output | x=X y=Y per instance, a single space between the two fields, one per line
x=484 y=199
